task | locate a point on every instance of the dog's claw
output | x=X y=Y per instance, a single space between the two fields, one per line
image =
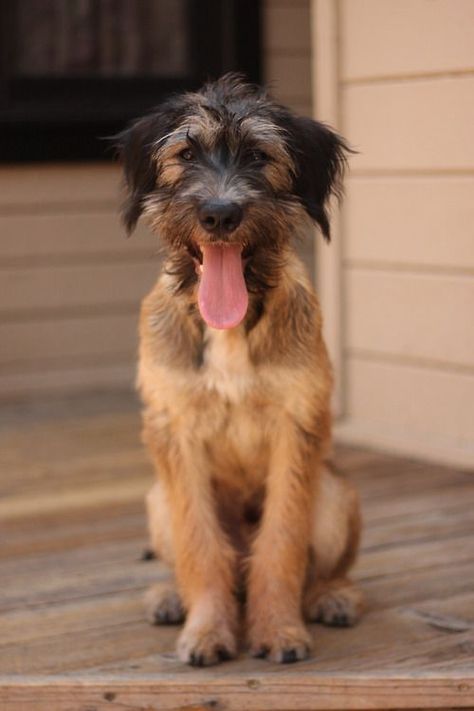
x=202 y=649
x=261 y=652
x=339 y=621
x=288 y=656
x=223 y=654
x=284 y=646
x=196 y=660
x=336 y=607
x=203 y=659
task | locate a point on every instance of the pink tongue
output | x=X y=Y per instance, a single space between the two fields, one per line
x=222 y=296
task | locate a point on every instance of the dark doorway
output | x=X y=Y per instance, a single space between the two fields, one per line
x=73 y=71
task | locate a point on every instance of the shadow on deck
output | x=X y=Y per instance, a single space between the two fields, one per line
x=72 y=630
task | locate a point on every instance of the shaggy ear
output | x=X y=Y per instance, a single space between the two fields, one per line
x=135 y=150
x=135 y=147
x=319 y=155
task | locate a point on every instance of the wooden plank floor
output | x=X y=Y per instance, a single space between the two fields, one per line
x=72 y=631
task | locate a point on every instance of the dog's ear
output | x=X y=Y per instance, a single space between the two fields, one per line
x=136 y=146
x=319 y=154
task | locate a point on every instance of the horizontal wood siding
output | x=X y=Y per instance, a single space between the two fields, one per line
x=411 y=315
x=407 y=105
x=411 y=125
x=402 y=406
x=65 y=338
x=72 y=379
x=424 y=222
x=35 y=288
x=41 y=186
x=69 y=235
x=71 y=283
x=383 y=38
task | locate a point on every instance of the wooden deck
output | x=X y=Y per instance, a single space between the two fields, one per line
x=72 y=631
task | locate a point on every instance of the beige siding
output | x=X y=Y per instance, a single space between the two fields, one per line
x=82 y=232
x=58 y=185
x=406 y=91
x=411 y=125
x=287 y=51
x=290 y=77
x=33 y=289
x=62 y=339
x=384 y=38
x=413 y=315
x=71 y=283
x=413 y=399
x=287 y=68
x=408 y=408
x=43 y=384
x=425 y=222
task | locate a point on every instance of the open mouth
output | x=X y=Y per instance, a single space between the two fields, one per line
x=195 y=252
x=222 y=292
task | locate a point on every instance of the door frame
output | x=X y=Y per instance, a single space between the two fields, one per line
x=326 y=107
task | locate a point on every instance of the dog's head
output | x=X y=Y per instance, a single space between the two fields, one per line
x=226 y=177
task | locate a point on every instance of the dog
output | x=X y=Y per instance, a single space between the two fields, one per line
x=234 y=374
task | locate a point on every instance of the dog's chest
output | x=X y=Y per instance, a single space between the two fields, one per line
x=237 y=412
x=227 y=369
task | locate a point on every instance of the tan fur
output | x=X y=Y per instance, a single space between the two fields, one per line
x=244 y=421
x=167 y=161
x=238 y=421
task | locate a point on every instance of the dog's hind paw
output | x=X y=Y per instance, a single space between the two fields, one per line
x=335 y=603
x=163 y=606
x=287 y=645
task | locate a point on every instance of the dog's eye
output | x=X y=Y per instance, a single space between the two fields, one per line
x=187 y=154
x=259 y=156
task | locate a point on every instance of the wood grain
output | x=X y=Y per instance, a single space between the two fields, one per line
x=73 y=634
x=297 y=691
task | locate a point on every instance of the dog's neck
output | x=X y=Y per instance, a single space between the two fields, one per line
x=281 y=320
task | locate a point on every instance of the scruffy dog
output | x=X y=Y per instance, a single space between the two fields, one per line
x=235 y=377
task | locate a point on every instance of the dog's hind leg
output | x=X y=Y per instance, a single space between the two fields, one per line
x=329 y=596
x=163 y=605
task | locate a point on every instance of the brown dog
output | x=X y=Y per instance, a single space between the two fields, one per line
x=234 y=374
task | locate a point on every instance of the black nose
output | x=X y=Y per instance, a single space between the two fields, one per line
x=220 y=215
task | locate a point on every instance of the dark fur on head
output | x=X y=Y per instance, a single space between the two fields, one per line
x=230 y=139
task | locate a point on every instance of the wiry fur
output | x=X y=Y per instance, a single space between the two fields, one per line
x=238 y=422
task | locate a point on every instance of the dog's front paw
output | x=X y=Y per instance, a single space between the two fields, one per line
x=203 y=645
x=286 y=644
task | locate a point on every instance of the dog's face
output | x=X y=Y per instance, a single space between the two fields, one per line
x=227 y=177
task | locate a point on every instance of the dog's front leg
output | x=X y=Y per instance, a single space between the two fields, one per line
x=280 y=553
x=205 y=562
